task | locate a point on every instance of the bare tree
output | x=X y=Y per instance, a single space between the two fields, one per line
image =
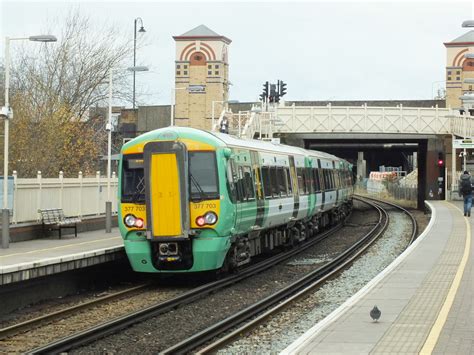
x=52 y=93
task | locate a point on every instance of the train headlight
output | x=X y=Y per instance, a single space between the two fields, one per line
x=210 y=218
x=130 y=220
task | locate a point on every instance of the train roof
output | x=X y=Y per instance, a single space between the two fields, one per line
x=270 y=146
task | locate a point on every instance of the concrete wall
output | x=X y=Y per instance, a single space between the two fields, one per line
x=153 y=117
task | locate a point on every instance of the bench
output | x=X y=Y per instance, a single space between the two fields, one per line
x=54 y=219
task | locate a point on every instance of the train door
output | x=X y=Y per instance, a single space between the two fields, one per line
x=260 y=201
x=166 y=190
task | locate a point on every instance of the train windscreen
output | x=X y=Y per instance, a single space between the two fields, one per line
x=203 y=176
x=133 y=179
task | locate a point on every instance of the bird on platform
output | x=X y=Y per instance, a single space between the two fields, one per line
x=375 y=313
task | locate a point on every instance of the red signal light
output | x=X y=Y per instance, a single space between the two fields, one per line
x=440 y=162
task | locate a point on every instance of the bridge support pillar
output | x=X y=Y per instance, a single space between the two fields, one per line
x=361 y=166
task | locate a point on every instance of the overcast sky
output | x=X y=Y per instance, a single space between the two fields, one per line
x=322 y=50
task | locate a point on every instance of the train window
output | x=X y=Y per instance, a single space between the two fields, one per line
x=300 y=175
x=321 y=179
x=281 y=179
x=248 y=183
x=317 y=184
x=267 y=186
x=274 y=182
x=230 y=181
x=327 y=183
x=203 y=176
x=133 y=178
x=309 y=181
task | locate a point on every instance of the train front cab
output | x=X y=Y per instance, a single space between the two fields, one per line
x=182 y=208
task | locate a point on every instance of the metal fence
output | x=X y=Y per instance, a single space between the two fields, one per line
x=391 y=190
x=81 y=196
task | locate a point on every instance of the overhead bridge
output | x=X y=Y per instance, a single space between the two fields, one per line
x=344 y=130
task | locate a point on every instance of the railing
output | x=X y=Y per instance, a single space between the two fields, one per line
x=364 y=119
x=81 y=196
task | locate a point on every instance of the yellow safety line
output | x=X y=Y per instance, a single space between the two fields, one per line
x=433 y=337
x=60 y=247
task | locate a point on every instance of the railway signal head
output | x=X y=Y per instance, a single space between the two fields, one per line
x=264 y=94
x=440 y=160
x=282 y=88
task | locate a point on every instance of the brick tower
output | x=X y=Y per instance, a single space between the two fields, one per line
x=459 y=68
x=201 y=76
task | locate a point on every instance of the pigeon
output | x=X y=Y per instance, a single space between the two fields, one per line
x=375 y=313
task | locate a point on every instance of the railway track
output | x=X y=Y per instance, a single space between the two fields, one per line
x=241 y=322
x=116 y=325
x=64 y=313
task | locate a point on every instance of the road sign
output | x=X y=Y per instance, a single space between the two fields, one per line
x=463 y=143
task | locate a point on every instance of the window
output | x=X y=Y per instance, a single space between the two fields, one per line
x=231 y=178
x=282 y=183
x=301 y=181
x=449 y=72
x=209 y=66
x=209 y=73
x=322 y=180
x=216 y=72
x=247 y=183
x=203 y=176
x=458 y=78
x=274 y=182
x=216 y=66
x=458 y=72
x=449 y=78
x=133 y=180
x=309 y=180
x=178 y=66
x=178 y=73
x=267 y=186
x=185 y=66
x=185 y=72
x=317 y=184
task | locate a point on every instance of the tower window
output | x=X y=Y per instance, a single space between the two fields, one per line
x=216 y=72
x=449 y=78
x=216 y=66
x=197 y=57
x=185 y=66
x=178 y=72
x=209 y=66
x=209 y=72
x=449 y=72
x=458 y=78
x=458 y=72
x=178 y=66
x=185 y=72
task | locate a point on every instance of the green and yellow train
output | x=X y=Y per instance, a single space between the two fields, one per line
x=192 y=200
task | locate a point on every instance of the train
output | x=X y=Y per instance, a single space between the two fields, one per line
x=191 y=200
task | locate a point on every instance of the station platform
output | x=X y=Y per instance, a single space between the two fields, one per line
x=425 y=296
x=40 y=257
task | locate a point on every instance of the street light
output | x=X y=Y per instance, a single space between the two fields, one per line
x=108 y=128
x=141 y=30
x=468 y=23
x=7 y=113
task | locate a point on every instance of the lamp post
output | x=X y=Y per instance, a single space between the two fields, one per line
x=173 y=103
x=108 y=128
x=7 y=113
x=141 y=30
